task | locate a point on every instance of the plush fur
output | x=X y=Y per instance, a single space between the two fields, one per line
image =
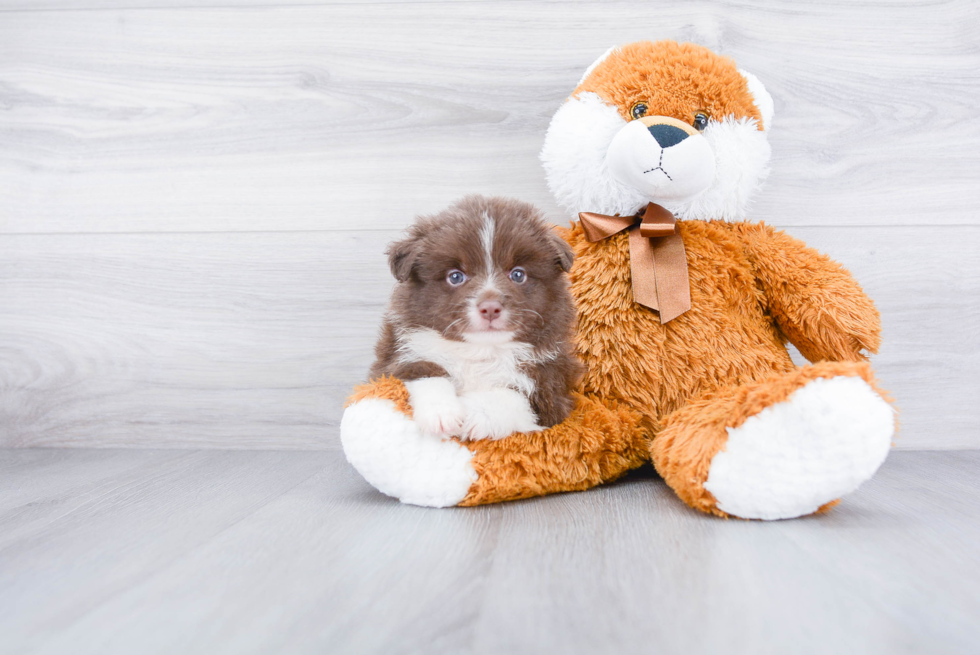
x=819 y=443
x=384 y=443
x=599 y=442
x=712 y=397
x=577 y=146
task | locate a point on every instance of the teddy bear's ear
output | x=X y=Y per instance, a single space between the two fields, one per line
x=763 y=101
x=588 y=71
x=565 y=255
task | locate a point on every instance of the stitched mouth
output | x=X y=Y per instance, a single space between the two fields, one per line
x=659 y=167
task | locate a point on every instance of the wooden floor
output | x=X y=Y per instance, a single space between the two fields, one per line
x=141 y=551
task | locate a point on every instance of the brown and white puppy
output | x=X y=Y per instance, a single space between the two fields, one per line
x=480 y=324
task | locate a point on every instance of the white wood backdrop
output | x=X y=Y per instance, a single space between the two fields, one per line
x=194 y=199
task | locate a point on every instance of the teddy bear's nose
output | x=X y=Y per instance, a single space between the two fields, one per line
x=667 y=135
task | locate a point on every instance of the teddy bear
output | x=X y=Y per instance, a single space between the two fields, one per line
x=684 y=307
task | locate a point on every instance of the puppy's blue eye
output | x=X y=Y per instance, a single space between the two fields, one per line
x=455 y=277
x=518 y=275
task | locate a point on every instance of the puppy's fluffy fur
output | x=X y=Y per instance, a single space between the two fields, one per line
x=480 y=324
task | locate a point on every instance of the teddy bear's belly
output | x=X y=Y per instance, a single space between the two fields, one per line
x=706 y=348
x=657 y=368
x=725 y=339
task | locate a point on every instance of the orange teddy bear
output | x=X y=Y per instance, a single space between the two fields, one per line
x=684 y=312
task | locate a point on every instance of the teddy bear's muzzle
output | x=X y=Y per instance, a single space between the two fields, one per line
x=662 y=158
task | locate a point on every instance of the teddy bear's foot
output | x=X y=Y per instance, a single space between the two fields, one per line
x=396 y=457
x=780 y=448
x=598 y=442
x=793 y=457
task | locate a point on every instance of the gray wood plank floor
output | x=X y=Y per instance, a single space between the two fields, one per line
x=142 y=551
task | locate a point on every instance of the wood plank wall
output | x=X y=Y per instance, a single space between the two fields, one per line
x=194 y=198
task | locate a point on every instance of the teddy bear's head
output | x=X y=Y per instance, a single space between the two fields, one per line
x=665 y=122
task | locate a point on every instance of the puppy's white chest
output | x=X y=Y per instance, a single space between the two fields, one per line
x=472 y=366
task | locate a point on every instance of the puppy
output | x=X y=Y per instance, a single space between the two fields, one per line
x=480 y=323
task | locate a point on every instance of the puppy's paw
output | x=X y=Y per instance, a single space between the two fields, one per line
x=435 y=406
x=497 y=413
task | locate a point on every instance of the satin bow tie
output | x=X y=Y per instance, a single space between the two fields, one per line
x=658 y=263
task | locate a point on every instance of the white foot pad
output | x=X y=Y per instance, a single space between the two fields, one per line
x=435 y=406
x=496 y=413
x=388 y=449
x=818 y=445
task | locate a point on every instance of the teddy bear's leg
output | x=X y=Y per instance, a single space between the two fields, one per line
x=597 y=443
x=787 y=446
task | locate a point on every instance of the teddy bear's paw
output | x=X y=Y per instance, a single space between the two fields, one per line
x=435 y=406
x=791 y=458
x=496 y=413
x=402 y=461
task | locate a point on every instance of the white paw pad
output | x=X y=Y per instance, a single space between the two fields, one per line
x=818 y=445
x=435 y=406
x=496 y=413
x=399 y=460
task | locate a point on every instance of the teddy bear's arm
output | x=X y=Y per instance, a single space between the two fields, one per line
x=815 y=301
x=598 y=442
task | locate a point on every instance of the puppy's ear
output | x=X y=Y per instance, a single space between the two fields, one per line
x=565 y=256
x=402 y=256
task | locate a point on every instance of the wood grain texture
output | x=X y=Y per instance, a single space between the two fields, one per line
x=268 y=552
x=236 y=340
x=254 y=340
x=194 y=196
x=337 y=115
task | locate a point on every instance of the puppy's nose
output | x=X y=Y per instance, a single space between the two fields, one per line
x=667 y=135
x=490 y=309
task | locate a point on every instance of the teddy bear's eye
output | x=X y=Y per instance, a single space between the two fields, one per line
x=700 y=121
x=638 y=110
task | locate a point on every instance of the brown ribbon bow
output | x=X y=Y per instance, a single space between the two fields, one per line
x=658 y=263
